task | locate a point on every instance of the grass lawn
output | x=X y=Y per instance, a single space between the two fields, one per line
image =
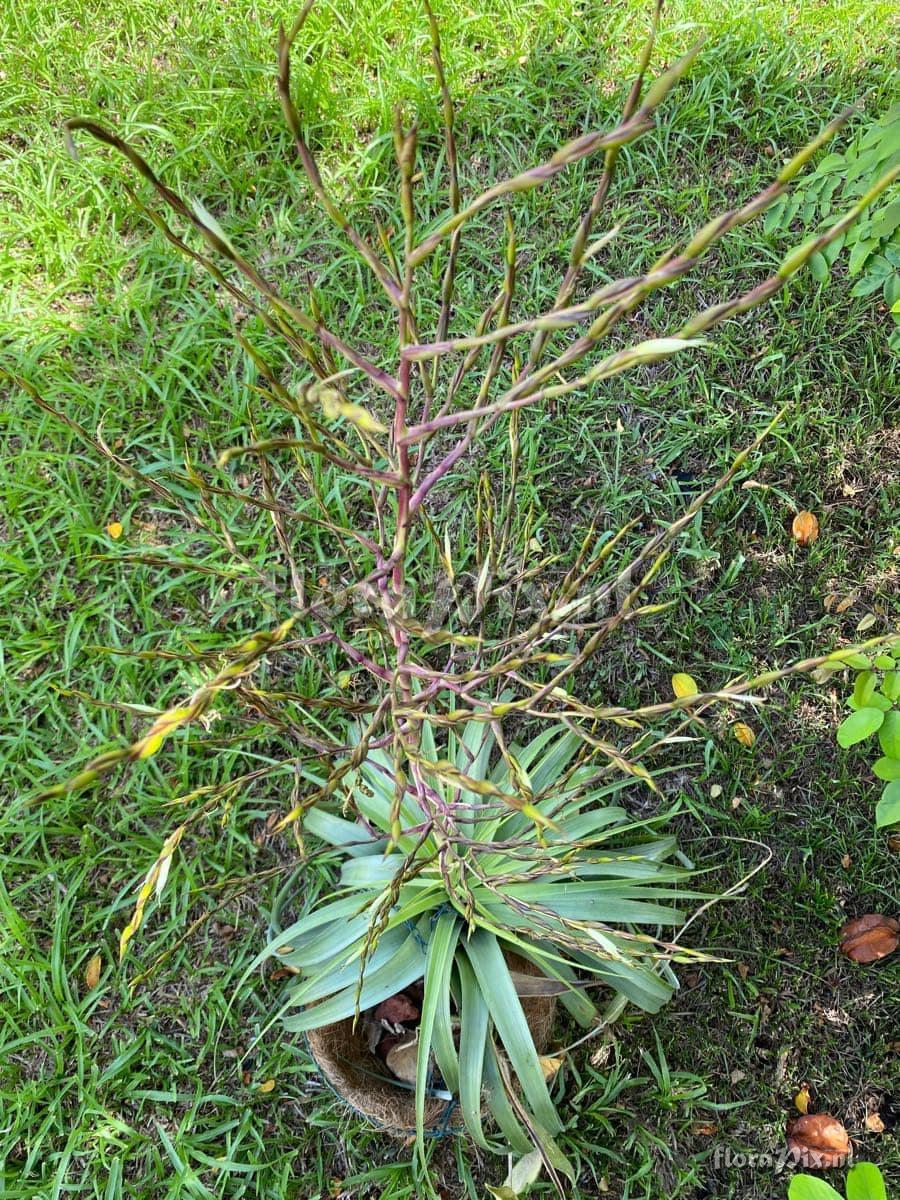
x=151 y=1094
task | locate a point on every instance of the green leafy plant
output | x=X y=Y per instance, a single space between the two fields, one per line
x=875 y=713
x=864 y=1182
x=480 y=835
x=571 y=883
x=874 y=242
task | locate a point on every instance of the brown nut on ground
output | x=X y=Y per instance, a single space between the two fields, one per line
x=818 y=1141
x=870 y=938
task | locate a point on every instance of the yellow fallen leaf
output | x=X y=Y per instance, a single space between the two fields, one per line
x=805 y=528
x=684 y=685
x=743 y=733
x=268 y=1086
x=802 y=1099
x=550 y=1065
x=114 y=529
x=92 y=972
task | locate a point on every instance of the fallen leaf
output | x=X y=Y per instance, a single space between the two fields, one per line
x=715 y=791
x=894 y=843
x=268 y=1086
x=819 y=1141
x=92 y=972
x=114 y=529
x=829 y=602
x=874 y=1123
x=550 y=1065
x=684 y=685
x=283 y=973
x=845 y=862
x=866 y=623
x=805 y=528
x=743 y=970
x=846 y=603
x=802 y=1099
x=704 y=1128
x=744 y=734
x=738 y=1076
x=870 y=938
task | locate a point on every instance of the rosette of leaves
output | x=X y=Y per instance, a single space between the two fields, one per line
x=873 y=242
x=569 y=882
x=875 y=705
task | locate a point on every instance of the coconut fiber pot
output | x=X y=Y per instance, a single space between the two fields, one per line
x=362 y=1081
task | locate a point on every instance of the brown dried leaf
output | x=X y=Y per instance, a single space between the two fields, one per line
x=704 y=1128
x=92 y=972
x=805 y=528
x=818 y=1141
x=870 y=937
x=874 y=1123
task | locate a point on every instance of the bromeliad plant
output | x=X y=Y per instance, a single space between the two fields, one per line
x=571 y=883
x=352 y=446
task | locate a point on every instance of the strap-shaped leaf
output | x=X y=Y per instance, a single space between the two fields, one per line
x=343 y=969
x=583 y=826
x=400 y=970
x=443 y=1041
x=633 y=871
x=338 y=831
x=473 y=1032
x=581 y=1007
x=638 y=982
x=509 y=1020
x=310 y=924
x=328 y=941
x=499 y=1105
x=576 y=902
x=439 y=962
x=372 y=872
x=472 y=750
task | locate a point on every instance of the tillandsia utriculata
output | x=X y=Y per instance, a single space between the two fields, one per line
x=390 y=424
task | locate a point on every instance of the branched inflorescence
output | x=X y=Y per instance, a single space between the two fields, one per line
x=392 y=425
